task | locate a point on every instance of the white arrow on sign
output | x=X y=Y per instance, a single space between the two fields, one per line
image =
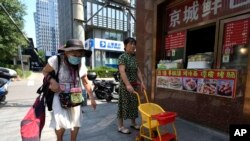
x=102 y=44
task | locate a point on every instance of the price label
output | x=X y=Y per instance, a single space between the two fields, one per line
x=173 y=52
x=225 y=58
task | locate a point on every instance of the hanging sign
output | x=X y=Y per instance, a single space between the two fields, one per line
x=190 y=12
x=175 y=40
x=236 y=33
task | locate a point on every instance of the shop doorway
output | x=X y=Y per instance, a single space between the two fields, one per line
x=200 y=41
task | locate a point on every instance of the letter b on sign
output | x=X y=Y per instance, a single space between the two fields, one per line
x=239 y=132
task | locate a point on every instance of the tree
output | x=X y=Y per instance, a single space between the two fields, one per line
x=41 y=54
x=10 y=36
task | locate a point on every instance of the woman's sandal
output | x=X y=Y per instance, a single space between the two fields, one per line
x=136 y=127
x=123 y=130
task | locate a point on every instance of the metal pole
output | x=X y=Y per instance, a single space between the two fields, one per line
x=21 y=58
x=78 y=32
x=78 y=17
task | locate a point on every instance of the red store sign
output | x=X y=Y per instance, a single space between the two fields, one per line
x=208 y=74
x=213 y=82
x=192 y=12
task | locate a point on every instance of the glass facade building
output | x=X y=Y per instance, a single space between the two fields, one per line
x=111 y=22
x=46 y=24
x=103 y=20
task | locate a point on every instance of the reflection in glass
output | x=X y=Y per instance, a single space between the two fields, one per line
x=238 y=58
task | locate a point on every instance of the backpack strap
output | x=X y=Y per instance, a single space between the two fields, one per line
x=58 y=67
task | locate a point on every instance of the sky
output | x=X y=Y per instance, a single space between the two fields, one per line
x=29 y=25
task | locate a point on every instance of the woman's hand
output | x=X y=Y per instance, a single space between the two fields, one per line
x=54 y=86
x=93 y=103
x=130 y=89
x=142 y=87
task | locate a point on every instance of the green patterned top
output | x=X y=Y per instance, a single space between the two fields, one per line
x=128 y=103
x=130 y=66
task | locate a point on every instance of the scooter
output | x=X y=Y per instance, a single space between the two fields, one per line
x=105 y=89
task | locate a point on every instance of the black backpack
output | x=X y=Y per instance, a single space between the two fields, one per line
x=44 y=89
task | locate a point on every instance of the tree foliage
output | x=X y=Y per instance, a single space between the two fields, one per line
x=10 y=36
x=41 y=54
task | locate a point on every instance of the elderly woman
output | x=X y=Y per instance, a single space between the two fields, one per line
x=68 y=77
x=130 y=74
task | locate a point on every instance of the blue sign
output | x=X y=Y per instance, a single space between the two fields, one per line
x=111 y=45
x=102 y=44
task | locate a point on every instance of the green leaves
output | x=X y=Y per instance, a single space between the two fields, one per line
x=10 y=36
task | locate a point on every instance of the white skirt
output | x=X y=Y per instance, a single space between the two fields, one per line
x=65 y=118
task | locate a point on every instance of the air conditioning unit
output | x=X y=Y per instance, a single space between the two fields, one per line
x=121 y=1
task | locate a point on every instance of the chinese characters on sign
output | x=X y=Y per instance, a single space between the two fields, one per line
x=209 y=74
x=191 y=12
x=236 y=33
x=214 y=82
x=175 y=40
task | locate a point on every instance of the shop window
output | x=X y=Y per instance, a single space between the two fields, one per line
x=97 y=34
x=200 y=48
x=237 y=59
x=98 y=58
x=112 y=59
x=235 y=48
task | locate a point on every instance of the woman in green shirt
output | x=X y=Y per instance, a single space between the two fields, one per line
x=130 y=74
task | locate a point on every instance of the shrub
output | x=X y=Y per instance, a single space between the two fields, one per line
x=104 y=71
x=23 y=74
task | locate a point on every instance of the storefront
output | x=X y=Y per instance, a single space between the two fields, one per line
x=104 y=52
x=200 y=59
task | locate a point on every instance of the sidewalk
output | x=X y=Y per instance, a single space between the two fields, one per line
x=101 y=125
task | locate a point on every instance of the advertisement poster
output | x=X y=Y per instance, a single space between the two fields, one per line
x=175 y=83
x=162 y=82
x=212 y=82
x=207 y=86
x=190 y=84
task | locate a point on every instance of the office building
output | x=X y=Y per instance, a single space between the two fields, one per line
x=46 y=24
x=108 y=22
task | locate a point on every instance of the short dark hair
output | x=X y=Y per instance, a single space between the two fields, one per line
x=129 y=40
